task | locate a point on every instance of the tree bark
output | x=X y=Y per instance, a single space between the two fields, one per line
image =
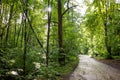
x=61 y=58
x=60 y=24
x=25 y=48
x=48 y=33
x=0 y=22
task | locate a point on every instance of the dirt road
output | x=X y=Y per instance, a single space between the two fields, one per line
x=90 y=69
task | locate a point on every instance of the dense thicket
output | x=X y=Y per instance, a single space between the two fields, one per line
x=31 y=41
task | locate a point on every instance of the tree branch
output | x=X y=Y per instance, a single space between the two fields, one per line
x=68 y=9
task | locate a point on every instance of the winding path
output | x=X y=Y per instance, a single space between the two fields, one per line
x=90 y=69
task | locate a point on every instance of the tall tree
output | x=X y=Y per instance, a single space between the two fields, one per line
x=48 y=32
x=60 y=24
x=60 y=35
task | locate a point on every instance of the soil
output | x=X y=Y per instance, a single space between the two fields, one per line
x=112 y=63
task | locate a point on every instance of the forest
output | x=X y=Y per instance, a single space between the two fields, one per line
x=42 y=39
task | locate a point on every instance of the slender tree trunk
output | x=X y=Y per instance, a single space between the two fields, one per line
x=0 y=22
x=9 y=23
x=92 y=44
x=25 y=49
x=18 y=36
x=48 y=32
x=108 y=47
x=106 y=40
x=14 y=39
x=25 y=12
x=22 y=31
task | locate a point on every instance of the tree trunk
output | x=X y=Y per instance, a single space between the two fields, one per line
x=108 y=46
x=25 y=11
x=60 y=40
x=48 y=32
x=0 y=22
x=9 y=22
x=60 y=24
x=15 y=31
x=25 y=48
x=18 y=35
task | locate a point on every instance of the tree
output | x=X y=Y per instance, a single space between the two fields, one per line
x=101 y=21
x=48 y=32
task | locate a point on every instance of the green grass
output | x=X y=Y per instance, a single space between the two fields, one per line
x=105 y=57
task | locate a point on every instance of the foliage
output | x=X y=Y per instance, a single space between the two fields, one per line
x=100 y=23
x=24 y=36
x=23 y=40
